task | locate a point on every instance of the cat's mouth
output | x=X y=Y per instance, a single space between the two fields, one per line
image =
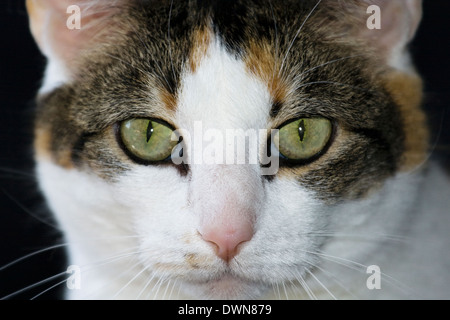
x=228 y=286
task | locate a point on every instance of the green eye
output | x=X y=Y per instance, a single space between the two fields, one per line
x=304 y=138
x=148 y=140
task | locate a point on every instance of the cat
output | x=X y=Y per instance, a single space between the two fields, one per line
x=130 y=145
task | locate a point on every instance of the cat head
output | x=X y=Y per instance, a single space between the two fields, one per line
x=143 y=99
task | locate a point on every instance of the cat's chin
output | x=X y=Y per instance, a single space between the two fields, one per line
x=226 y=287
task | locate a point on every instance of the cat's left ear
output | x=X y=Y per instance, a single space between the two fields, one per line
x=398 y=23
x=64 y=28
x=386 y=26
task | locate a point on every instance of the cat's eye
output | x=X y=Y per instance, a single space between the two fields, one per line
x=303 y=139
x=147 y=140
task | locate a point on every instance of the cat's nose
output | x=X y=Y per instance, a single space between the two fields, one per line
x=227 y=241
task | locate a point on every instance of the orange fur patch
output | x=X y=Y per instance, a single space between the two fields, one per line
x=200 y=43
x=169 y=100
x=261 y=61
x=407 y=92
x=42 y=147
x=193 y=260
x=42 y=143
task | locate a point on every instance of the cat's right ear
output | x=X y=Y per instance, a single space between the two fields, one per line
x=64 y=28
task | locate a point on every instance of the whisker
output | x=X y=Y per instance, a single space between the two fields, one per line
x=305 y=286
x=285 y=291
x=57 y=246
x=332 y=276
x=90 y=267
x=277 y=40
x=34 y=285
x=146 y=285
x=165 y=291
x=48 y=289
x=12 y=263
x=278 y=291
x=169 y=39
x=131 y=280
x=158 y=286
x=325 y=64
x=375 y=237
x=173 y=287
x=29 y=211
x=18 y=172
x=296 y=36
x=333 y=83
x=354 y=265
x=321 y=284
x=179 y=290
x=85 y=268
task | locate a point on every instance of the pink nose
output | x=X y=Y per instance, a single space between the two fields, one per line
x=228 y=240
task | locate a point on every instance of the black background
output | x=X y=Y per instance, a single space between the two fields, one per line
x=25 y=224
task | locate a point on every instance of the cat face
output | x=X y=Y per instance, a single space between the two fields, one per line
x=339 y=121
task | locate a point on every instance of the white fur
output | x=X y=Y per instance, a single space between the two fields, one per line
x=155 y=216
x=55 y=75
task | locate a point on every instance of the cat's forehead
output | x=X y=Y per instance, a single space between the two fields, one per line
x=145 y=73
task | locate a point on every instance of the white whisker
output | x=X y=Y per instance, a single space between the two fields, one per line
x=28 y=211
x=297 y=34
x=305 y=286
x=146 y=285
x=371 y=237
x=12 y=263
x=333 y=83
x=277 y=41
x=169 y=39
x=173 y=287
x=325 y=64
x=285 y=291
x=48 y=289
x=321 y=284
x=333 y=278
x=354 y=265
x=158 y=287
x=56 y=246
x=167 y=288
x=36 y=284
x=131 y=280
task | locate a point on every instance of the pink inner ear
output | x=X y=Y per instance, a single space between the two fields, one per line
x=399 y=22
x=49 y=23
x=67 y=43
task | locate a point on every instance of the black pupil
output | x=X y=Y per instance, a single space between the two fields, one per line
x=149 y=131
x=301 y=130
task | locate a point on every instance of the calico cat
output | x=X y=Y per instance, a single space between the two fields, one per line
x=131 y=125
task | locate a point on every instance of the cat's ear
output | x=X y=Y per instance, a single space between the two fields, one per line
x=63 y=28
x=385 y=25
x=398 y=23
